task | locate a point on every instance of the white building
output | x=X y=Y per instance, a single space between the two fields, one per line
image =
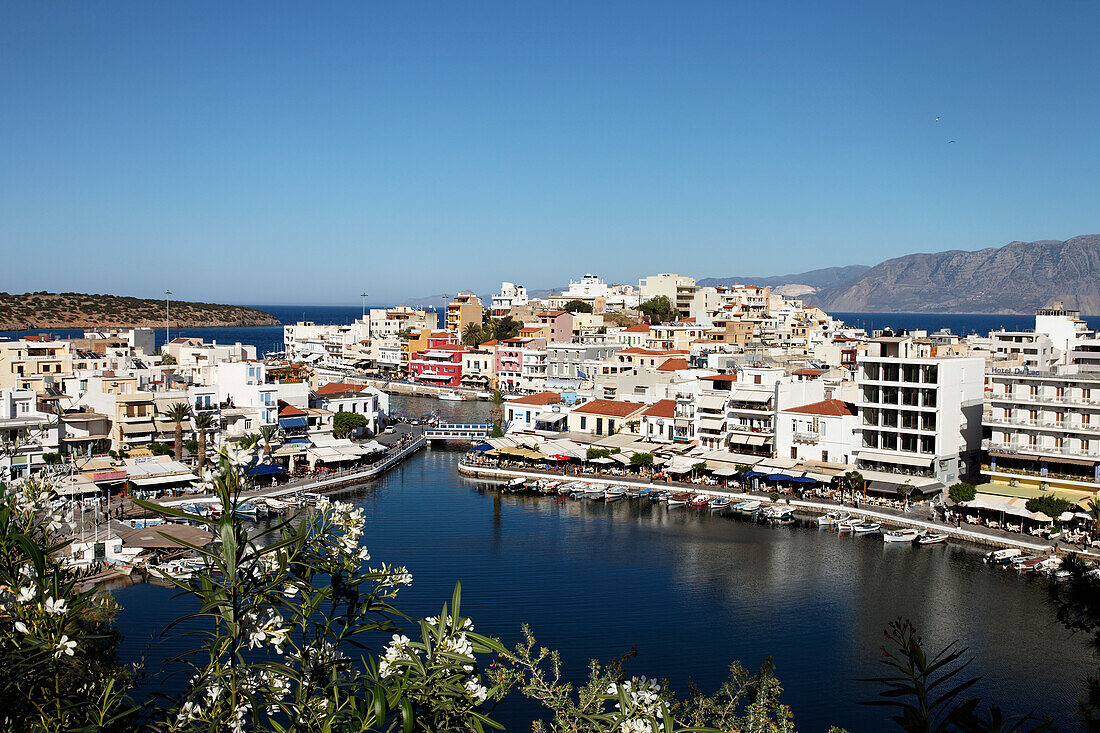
x=919 y=415
x=510 y=295
x=821 y=431
x=26 y=434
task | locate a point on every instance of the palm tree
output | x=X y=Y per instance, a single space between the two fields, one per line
x=472 y=335
x=203 y=423
x=249 y=441
x=177 y=413
x=267 y=435
x=854 y=481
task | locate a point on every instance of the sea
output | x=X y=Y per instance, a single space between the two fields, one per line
x=690 y=591
x=268 y=339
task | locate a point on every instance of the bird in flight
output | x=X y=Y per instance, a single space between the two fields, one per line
x=950 y=141
x=937 y=119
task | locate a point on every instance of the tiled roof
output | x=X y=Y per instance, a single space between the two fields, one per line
x=612 y=408
x=552 y=314
x=809 y=372
x=664 y=408
x=542 y=398
x=835 y=408
x=291 y=411
x=721 y=377
x=334 y=388
x=672 y=365
x=640 y=328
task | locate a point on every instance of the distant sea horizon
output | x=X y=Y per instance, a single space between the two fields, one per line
x=267 y=339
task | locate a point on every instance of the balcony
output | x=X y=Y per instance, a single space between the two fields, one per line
x=804 y=437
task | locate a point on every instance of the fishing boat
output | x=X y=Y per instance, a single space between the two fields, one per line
x=833 y=518
x=739 y=506
x=900 y=535
x=1000 y=557
x=1048 y=565
x=594 y=491
x=699 y=500
x=640 y=493
x=247 y=510
x=483 y=395
x=868 y=528
x=517 y=483
x=451 y=396
x=171 y=570
x=615 y=493
x=1020 y=562
x=659 y=495
x=779 y=513
x=932 y=538
x=849 y=525
x=679 y=499
x=750 y=507
x=719 y=502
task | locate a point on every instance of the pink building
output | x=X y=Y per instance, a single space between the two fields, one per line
x=440 y=364
x=560 y=323
x=509 y=360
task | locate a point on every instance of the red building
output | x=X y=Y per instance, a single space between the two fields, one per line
x=440 y=364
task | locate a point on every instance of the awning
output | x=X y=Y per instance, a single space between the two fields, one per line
x=776 y=465
x=299 y=439
x=265 y=469
x=161 y=480
x=750 y=395
x=551 y=417
x=293 y=422
x=725 y=471
x=137 y=428
x=778 y=477
x=903 y=459
x=431 y=376
x=482 y=448
x=1015 y=507
x=676 y=469
x=1071 y=461
x=602 y=461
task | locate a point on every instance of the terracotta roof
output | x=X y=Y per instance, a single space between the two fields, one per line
x=552 y=314
x=834 y=408
x=493 y=342
x=333 y=388
x=672 y=365
x=640 y=328
x=542 y=398
x=664 y=408
x=721 y=377
x=612 y=408
x=651 y=352
x=809 y=372
x=291 y=411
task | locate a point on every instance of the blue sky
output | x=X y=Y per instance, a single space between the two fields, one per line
x=302 y=153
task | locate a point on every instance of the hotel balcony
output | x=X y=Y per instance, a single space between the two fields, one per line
x=804 y=437
x=1039 y=450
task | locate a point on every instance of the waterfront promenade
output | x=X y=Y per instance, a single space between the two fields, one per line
x=985 y=536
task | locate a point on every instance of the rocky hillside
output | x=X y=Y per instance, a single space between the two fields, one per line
x=78 y=310
x=1016 y=278
x=827 y=277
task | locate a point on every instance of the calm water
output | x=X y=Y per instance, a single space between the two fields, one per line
x=693 y=592
x=270 y=338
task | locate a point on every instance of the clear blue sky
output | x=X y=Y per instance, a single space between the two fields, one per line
x=304 y=153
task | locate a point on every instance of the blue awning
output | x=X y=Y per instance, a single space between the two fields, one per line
x=778 y=477
x=293 y=422
x=803 y=480
x=264 y=469
x=297 y=439
x=752 y=474
x=482 y=448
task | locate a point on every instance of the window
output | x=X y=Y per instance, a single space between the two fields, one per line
x=583 y=421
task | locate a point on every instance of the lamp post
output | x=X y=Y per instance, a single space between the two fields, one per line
x=364 y=297
x=167 y=295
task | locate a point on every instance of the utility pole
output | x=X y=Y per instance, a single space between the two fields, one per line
x=167 y=322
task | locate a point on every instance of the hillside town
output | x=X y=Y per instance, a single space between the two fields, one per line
x=729 y=380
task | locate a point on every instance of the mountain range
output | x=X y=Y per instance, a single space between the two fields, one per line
x=1014 y=279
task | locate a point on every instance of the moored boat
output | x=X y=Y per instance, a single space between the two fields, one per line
x=900 y=535
x=640 y=493
x=451 y=396
x=868 y=528
x=719 y=502
x=679 y=499
x=1000 y=557
x=750 y=507
x=932 y=538
x=699 y=500
x=832 y=519
x=615 y=493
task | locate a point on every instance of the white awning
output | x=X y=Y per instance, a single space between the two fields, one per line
x=431 y=376
x=742 y=439
x=1009 y=505
x=711 y=402
x=903 y=459
x=725 y=471
x=776 y=464
x=137 y=428
x=750 y=395
x=168 y=479
x=712 y=423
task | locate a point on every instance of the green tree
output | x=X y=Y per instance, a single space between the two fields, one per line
x=1048 y=504
x=641 y=459
x=203 y=424
x=905 y=490
x=961 y=492
x=179 y=412
x=159 y=449
x=659 y=309
x=506 y=328
x=343 y=423
x=473 y=335
x=855 y=482
x=577 y=306
x=597 y=453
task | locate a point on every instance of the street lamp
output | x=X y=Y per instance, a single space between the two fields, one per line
x=167 y=294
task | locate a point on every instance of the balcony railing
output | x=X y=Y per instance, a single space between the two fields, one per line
x=804 y=437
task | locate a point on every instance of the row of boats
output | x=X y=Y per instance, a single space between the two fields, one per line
x=1017 y=559
x=845 y=522
x=608 y=494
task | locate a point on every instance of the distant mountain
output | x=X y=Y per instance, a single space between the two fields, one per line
x=828 y=277
x=1014 y=279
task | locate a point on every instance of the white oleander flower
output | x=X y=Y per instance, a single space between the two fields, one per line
x=477 y=691
x=57 y=607
x=21 y=627
x=26 y=593
x=64 y=646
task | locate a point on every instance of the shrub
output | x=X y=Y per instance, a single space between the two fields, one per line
x=961 y=492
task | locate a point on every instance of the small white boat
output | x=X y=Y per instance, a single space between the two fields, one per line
x=849 y=525
x=276 y=504
x=719 y=502
x=781 y=514
x=594 y=491
x=172 y=570
x=932 y=538
x=1048 y=566
x=900 y=535
x=751 y=507
x=483 y=395
x=615 y=493
x=868 y=528
x=999 y=557
x=833 y=518
x=451 y=396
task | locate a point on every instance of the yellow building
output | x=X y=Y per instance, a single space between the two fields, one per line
x=31 y=362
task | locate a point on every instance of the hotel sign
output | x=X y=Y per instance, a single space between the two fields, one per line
x=1015 y=371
